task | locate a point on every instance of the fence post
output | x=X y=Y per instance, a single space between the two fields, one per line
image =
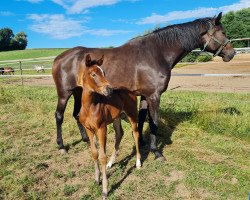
x=21 y=70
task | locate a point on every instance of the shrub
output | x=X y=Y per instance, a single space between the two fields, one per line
x=204 y=58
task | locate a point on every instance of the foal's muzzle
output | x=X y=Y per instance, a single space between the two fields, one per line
x=108 y=91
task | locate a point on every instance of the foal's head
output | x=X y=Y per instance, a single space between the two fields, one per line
x=94 y=77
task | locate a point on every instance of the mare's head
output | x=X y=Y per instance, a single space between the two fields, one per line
x=214 y=40
x=94 y=77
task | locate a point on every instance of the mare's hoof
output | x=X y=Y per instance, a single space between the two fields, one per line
x=63 y=151
x=159 y=156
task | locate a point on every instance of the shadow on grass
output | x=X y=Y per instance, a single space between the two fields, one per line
x=171 y=119
x=168 y=121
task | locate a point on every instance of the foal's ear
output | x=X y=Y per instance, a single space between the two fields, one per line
x=88 y=60
x=218 y=18
x=100 y=61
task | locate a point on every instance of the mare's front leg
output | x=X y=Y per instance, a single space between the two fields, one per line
x=118 y=137
x=153 y=105
x=102 y=137
x=77 y=107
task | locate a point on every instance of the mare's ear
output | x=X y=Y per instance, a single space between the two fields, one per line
x=218 y=18
x=88 y=60
x=100 y=61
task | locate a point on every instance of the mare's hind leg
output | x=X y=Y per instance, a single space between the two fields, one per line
x=118 y=137
x=153 y=105
x=77 y=106
x=59 y=115
x=143 y=110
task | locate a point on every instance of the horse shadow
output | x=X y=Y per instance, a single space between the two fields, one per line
x=168 y=121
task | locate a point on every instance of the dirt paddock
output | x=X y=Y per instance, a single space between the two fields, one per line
x=239 y=65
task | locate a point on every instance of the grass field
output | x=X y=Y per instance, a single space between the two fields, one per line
x=204 y=136
x=30 y=53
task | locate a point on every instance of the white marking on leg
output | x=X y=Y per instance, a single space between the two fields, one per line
x=138 y=163
x=112 y=159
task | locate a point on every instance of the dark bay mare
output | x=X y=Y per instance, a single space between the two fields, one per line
x=142 y=65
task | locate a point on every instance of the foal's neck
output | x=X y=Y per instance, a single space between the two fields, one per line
x=87 y=97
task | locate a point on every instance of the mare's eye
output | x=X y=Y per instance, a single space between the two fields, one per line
x=93 y=75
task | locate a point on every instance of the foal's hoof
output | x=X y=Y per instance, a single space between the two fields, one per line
x=85 y=139
x=104 y=196
x=109 y=165
x=63 y=151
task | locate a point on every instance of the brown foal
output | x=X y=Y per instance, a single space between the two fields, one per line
x=100 y=107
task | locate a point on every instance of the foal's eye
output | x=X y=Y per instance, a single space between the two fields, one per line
x=93 y=75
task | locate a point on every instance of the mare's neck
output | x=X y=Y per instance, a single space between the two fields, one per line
x=173 y=55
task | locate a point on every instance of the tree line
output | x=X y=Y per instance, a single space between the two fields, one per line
x=237 y=25
x=9 y=41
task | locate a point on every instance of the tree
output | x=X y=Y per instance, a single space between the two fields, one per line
x=6 y=35
x=237 y=25
x=21 y=40
x=9 y=41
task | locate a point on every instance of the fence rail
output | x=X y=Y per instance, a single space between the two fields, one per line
x=210 y=75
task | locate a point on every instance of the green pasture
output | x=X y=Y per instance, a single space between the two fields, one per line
x=30 y=53
x=205 y=138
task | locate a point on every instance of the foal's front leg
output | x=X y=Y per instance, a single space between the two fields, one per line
x=94 y=154
x=102 y=137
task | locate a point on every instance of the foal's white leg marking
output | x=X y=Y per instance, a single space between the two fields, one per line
x=138 y=163
x=112 y=159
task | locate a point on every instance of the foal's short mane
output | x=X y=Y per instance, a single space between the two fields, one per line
x=186 y=34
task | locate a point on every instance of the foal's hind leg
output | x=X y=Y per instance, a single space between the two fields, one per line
x=118 y=137
x=133 y=123
x=143 y=110
x=77 y=106
x=59 y=115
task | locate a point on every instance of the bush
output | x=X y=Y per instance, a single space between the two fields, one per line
x=197 y=57
x=191 y=57
x=204 y=58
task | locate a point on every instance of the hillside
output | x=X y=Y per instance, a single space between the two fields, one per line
x=30 y=53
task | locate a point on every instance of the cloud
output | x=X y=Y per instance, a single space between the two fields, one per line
x=58 y=26
x=6 y=13
x=196 y=13
x=105 y=32
x=34 y=1
x=80 y=6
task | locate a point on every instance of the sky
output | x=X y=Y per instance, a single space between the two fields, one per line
x=101 y=23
